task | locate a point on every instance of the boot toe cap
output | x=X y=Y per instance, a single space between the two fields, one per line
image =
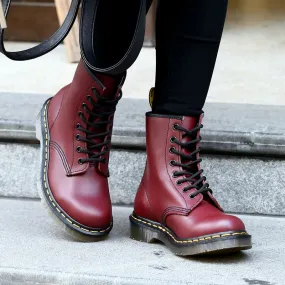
x=187 y=227
x=92 y=215
x=85 y=207
x=219 y=224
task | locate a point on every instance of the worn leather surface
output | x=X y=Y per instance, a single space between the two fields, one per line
x=81 y=190
x=161 y=199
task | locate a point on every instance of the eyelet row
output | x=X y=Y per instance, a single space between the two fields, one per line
x=78 y=126
x=174 y=176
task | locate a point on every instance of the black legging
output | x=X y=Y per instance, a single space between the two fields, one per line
x=188 y=35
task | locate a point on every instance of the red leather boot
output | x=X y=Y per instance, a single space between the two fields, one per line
x=174 y=204
x=75 y=128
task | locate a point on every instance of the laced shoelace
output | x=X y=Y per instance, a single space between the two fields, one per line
x=190 y=175
x=103 y=110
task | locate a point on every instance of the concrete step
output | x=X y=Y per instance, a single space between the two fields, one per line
x=235 y=128
x=241 y=184
x=243 y=154
x=35 y=251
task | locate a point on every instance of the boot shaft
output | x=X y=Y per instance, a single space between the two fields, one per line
x=79 y=116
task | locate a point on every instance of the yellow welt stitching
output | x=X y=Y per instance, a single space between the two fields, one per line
x=84 y=229
x=188 y=241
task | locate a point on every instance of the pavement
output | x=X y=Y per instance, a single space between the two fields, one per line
x=35 y=251
x=250 y=68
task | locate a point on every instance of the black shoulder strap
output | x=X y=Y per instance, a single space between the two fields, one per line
x=45 y=46
x=86 y=37
x=88 y=53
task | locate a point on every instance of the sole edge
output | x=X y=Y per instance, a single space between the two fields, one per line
x=221 y=243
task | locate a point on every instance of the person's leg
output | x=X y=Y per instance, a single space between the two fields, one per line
x=174 y=204
x=188 y=36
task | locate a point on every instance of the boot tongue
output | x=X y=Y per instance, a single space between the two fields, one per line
x=189 y=123
x=108 y=90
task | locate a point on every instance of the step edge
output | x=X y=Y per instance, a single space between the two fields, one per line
x=254 y=143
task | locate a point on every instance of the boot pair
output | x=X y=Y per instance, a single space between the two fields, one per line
x=173 y=204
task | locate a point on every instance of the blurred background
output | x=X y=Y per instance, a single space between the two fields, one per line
x=253 y=41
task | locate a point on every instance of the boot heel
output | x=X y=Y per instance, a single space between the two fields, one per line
x=142 y=232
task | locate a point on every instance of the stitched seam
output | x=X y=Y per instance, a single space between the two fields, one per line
x=46 y=179
x=63 y=95
x=147 y=199
x=85 y=144
x=173 y=210
x=166 y=164
x=190 y=240
x=58 y=149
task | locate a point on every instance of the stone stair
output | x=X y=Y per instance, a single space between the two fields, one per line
x=34 y=251
x=244 y=160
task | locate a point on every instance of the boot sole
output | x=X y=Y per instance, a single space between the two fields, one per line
x=66 y=223
x=221 y=243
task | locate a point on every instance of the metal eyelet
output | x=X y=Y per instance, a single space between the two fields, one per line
x=88 y=97
x=178 y=182
x=80 y=161
x=184 y=190
x=191 y=197
x=172 y=139
x=77 y=137
x=174 y=174
x=78 y=126
x=175 y=126
x=80 y=114
x=78 y=149
x=172 y=162
x=172 y=149
x=84 y=105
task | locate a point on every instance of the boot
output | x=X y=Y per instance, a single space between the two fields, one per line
x=174 y=204
x=75 y=128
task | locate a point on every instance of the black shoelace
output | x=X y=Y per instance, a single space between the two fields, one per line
x=194 y=177
x=100 y=116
